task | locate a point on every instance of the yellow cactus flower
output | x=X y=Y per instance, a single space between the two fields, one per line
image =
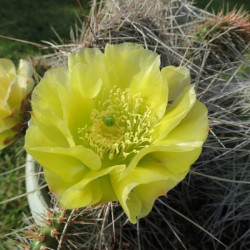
x=14 y=89
x=114 y=127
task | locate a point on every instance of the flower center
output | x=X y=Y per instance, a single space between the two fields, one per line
x=109 y=120
x=119 y=126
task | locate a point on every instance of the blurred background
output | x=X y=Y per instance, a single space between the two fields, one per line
x=34 y=21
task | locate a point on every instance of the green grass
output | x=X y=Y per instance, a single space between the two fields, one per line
x=32 y=21
x=12 y=184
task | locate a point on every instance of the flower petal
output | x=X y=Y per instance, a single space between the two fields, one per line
x=91 y=57
x=52 y=92
x=124 y=61
x=175 y=113
x=140 y=71
x=85 y=80
x=58 y=185
x=177 y=78
x=25 y=68
x=193 y=128
x=7 y=75
x=149 y=83
x=19 y=89
x=56 y=95
x=94 y=188
x=52 y=127
x=6 y=138
x=138 y=190
x=188 y=136
x=88 y=70
x=47 y=153
x=67 y=162
x=10 y=120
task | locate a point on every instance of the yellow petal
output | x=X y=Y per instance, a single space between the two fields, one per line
x=19 y=90
x=151 y=86
x=7 y=75
x=188 y=136
x=79 y=111
x=52 y=92
x=177 y=78
x=65 y=161
x=94 y=188
x=138 y=190
x=56 y=93
x=177 y=163
x=131 y=66
x=53 y=127
x=14 y=88
x=124 y=61
x=4 y=109
x=58 y=185
x=193 y=128
x=175 y=113
x=91 y=57
x=94 y=74
x=25 y=68
x=86 y=156
x=10 y=121
x=64 y=165
x=6 y=138
x=85 y=79
x=9 y=128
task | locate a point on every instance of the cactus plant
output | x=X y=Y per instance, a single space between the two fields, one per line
x=224 y=37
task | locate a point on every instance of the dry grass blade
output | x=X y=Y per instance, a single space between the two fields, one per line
x=191 y=221
x=22 y=195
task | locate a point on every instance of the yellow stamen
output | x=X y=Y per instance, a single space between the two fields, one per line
x=119 y=126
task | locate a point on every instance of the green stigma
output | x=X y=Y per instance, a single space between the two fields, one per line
x=109 y=120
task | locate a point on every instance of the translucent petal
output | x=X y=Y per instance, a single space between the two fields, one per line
x=25 y=68
x=66 y=166
x=94 y=188
x=55 y=92
x=175 y=113
x=138 y=190
x=53 y=127
x=193 y=128
x=176 y=162
x=188 y=136
x=9 y=128
x=10 y=121
x=85 y=155
x=52 y=92
x=85 y=79
x=92 y=61
x=4 y=109
x=151 y=86
x=19 y=90
x=91 y=57
x=124 y=61
x=58 y=185
x=132 y=66
x=177 y=78
x=7 y=74
x=79 y=111
x=65 y=161
x=6 y=138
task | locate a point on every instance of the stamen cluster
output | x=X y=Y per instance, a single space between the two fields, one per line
x=129 y=131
